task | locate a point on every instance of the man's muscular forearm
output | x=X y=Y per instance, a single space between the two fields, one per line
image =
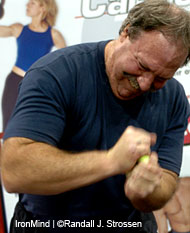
x=38 y=168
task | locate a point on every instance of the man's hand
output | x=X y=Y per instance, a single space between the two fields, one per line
x=148 y=186
x=143 y=179
x=133 y=144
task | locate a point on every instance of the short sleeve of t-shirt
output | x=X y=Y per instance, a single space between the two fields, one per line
x=40 y=112
x=171 y=146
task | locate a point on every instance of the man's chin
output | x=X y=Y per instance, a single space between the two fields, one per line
x=127 y=96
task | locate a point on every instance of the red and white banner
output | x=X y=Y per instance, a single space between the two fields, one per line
x=187 y=132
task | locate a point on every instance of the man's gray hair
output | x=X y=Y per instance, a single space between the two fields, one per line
x=160 y=15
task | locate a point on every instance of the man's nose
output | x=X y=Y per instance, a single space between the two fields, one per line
x=145 y=81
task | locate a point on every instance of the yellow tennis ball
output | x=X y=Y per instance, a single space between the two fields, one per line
x=144 y=159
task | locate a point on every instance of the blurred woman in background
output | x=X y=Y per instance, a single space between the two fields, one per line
x=33 y=41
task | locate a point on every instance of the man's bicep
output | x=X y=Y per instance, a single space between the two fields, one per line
x=16 y=142
x=12 y=156
x=20 y=162
x=13 y=150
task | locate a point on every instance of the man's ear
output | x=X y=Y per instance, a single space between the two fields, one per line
x=124 y=34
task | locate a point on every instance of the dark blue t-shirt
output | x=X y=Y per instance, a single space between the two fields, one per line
x=66 y=100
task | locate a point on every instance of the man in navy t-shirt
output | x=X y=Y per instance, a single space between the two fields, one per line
x=86 y=114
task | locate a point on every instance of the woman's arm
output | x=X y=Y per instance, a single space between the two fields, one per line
x=58 y=39
x=12 y=30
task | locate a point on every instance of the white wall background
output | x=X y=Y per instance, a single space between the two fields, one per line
x=78 y=24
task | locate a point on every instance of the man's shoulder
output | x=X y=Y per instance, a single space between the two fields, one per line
x=173 y=88
x=67 y=55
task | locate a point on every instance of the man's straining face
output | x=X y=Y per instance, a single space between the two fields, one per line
x=141 y=65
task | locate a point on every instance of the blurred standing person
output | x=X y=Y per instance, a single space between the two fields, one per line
x=33 y=41
x=2 y=8
x=176 y=211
